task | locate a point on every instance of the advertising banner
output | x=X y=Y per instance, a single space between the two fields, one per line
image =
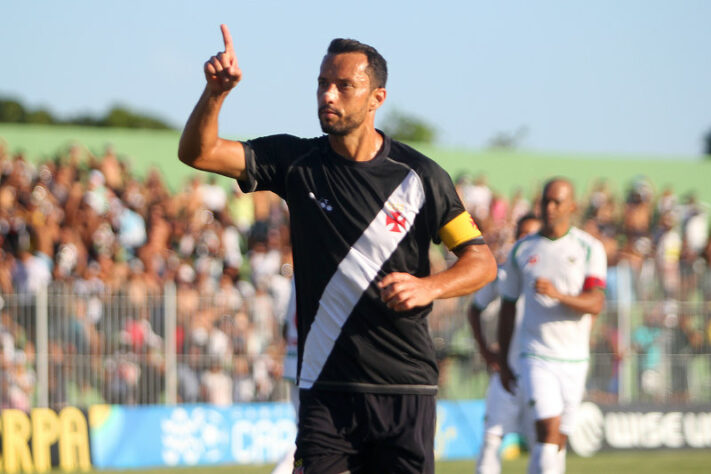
x=44 y=439
x=460 y=429
x=189 y=435
x=601 y=427
x=255 y=433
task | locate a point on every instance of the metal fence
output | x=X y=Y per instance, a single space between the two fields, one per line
x=83 y=344
x=72 y=345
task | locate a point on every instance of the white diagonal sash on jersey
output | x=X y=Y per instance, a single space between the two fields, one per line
x=356 y=271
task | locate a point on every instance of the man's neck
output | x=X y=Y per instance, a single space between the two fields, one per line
x=360 y=145
x=556 y=231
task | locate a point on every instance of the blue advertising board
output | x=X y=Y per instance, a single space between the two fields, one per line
x=189 y=435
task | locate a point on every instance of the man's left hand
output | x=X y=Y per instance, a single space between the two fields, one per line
x=545 y=287
x=402 y=291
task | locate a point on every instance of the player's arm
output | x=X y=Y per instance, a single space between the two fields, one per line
x=588 y=301
x=200 y=147
x=505 y=329
x=510 y=289
x=489 y=356
x=591 y=299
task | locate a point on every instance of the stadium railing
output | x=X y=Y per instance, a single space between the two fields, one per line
x=78 y=345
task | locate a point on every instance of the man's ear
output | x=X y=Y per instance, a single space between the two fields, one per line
x=377 y=98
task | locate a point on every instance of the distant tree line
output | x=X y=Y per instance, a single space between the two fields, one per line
x=13 y=111
x=408 y=128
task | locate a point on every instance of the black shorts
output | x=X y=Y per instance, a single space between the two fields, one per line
x=365 y=433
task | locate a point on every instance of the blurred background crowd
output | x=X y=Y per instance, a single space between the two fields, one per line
x=131 y=285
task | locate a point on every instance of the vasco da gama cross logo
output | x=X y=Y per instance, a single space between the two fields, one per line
x=395 y=221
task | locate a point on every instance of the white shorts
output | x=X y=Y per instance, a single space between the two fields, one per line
x=505 y=413
x=553 y=388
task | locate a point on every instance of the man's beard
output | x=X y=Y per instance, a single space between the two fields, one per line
x=339 y=130
x=342 y=127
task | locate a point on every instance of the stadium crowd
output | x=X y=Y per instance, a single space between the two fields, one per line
x=112 y=247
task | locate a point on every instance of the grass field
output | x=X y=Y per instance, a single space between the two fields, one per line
x=636 y=462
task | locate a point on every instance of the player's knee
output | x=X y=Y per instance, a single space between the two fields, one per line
x=548 y=430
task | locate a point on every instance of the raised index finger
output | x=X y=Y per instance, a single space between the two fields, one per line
x=227 y=37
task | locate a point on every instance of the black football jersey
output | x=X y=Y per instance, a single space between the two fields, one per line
x=352 y=223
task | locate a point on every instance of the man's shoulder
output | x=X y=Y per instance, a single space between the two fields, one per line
x=584 y=238
x=525 y=242
x=286 y=140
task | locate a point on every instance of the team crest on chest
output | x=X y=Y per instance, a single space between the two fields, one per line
x=395 y=220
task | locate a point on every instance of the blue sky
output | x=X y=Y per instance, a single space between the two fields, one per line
x=630 y=77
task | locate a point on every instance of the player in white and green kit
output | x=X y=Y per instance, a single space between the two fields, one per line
x=505 y=412
x=561 y=273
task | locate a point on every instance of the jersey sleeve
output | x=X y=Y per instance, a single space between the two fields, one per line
x=511 y=285
x=455 y=227
x=267 y=160
x=485 y=296
x=596 y=272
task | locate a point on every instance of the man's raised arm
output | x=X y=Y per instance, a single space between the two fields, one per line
x=200 y=147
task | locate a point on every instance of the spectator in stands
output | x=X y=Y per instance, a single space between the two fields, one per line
x=686 y=341
x=695 y=234
x=637 y=214
x=216 y=384
x=213 y=195
x=244 y=385
x=647 y=340
x=668 y=252
x=188 y=371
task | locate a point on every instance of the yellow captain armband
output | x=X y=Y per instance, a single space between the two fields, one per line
x=459 y=230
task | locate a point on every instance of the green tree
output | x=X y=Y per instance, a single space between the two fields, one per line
x=407 y=128
x=11 y=111
x=508 y=140
x=120 y=116
x=40 y=116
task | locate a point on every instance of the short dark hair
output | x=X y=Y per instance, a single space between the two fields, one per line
x=377 y=66
x=529 y=216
